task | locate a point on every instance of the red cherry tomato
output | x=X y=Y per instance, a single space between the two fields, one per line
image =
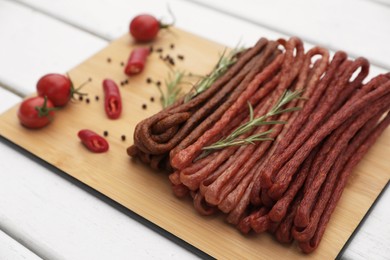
x=36 y=112
x=145 y=27
x=57 y=88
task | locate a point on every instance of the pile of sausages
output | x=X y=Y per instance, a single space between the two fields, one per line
x=290 y=186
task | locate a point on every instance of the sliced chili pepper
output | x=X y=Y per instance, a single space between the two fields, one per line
x=137 y=60
x=112 y=99
x=94 y=142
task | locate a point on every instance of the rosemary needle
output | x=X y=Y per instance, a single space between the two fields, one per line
x=233 y=140
x=224 y=62
x=172 y=88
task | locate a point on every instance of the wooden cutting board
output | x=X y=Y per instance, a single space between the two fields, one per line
x=147 y=192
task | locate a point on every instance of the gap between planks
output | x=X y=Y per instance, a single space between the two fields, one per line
x=385 y=3
x=11 y=89
x=11 y=234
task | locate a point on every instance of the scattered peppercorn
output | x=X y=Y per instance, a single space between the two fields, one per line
x=122 y=64
x=180 y=57
x=151 y=49
x=97 y=98
x=122 y=83
x=126 y=81
x=108 y=60
x=158 y=83
x=81 y=98
x=159 y=50
x=172 y=46
x=151 y=99
x=123 y=137
x=168 y=59
x=105 y=133
x=89 y=79
x=144 y=106
x=148 y=80
x=87 y=100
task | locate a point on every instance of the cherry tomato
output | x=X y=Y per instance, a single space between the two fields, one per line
x=58 y=88
x=145 y=27
x=36 y=112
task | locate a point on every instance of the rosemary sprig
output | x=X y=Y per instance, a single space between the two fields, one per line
x=224 y=62
x=232 y=139
x=238 y=142
x=173 y=89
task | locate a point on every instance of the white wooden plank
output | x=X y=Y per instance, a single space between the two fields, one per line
x=359 y=27
x=33 y=44
x=61 y=221
x=12 y=250
x=7 y=99
x=373 y=238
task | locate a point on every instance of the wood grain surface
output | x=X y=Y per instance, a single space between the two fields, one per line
x=148 y=192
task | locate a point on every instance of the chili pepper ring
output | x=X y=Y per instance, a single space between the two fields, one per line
x=94 y=142
x=137 y=60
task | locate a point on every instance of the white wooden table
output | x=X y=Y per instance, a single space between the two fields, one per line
x=46 y=215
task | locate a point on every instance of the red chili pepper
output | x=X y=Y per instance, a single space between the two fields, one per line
x=94 y=142
x=137 y=60
x=112 y=99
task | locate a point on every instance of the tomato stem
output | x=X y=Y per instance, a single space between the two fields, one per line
x=76 y=91
x=167 y=25
x=44 y=110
